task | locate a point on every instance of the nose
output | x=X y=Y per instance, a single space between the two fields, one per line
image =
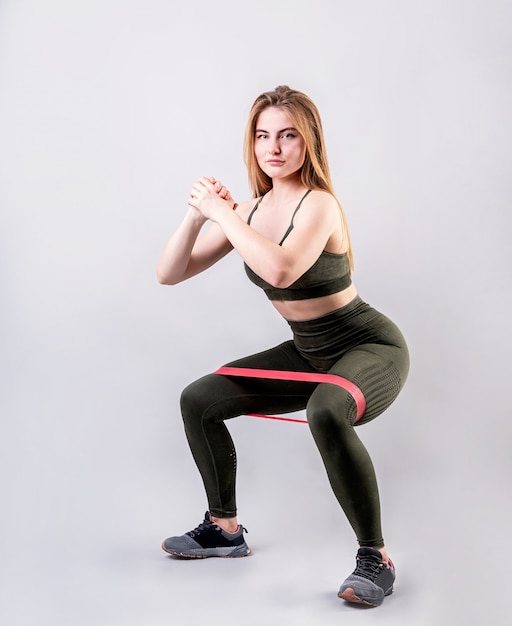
x=274 y=147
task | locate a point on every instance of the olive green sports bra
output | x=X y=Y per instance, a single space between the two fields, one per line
x=329 y=274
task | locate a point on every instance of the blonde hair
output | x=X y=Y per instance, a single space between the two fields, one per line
x=314 y=173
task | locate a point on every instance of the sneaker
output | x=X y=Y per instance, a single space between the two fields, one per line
x=208 y=539
x=371 y=581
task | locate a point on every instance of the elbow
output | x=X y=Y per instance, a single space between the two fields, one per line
x=282 y=283
x=283 y=271
x=163 y=279
x=280 y=278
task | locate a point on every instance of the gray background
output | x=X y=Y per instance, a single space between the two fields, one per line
x=109 y=110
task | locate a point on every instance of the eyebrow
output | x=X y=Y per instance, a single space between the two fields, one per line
x=260 y=130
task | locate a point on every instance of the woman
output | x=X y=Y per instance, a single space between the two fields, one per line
x=294 y=241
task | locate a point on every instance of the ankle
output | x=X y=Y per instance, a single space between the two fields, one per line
x=229 y=524
x=385 y=555
x=383 y=552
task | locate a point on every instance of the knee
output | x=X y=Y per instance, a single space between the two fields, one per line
x=326 y=419
x=323 y=421
x=193 y=401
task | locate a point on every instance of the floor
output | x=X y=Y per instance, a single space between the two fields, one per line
x=83 y=546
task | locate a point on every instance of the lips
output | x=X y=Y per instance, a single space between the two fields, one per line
x=275 y=162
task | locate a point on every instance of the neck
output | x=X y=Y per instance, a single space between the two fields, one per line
x=285 y=190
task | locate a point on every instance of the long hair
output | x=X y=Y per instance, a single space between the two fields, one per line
x=314 y=173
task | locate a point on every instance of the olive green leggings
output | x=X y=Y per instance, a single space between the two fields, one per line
x=379 y=368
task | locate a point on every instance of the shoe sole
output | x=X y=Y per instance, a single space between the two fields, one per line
x=349 y=595
x=199 y=555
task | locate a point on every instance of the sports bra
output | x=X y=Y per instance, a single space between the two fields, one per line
x=329 y=274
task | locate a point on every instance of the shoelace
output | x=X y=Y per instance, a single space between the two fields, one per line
x=368 y=566
x=206 y=524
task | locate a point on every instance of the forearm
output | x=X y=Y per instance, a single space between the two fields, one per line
x=278 y=265
x=174 y=261
x=268 y=259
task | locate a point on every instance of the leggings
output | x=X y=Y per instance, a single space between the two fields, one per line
x=355 y=342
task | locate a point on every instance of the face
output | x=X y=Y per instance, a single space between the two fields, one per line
x=278 y=147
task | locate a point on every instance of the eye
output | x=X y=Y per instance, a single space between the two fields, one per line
x=288 y=135
x=261 y=136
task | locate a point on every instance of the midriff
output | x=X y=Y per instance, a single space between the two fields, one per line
x=302 y=310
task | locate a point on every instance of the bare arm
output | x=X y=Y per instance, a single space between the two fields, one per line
x=278 y=265
x=186 y=253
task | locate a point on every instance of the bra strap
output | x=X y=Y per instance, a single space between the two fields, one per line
x=254 y=209
x=291 y=226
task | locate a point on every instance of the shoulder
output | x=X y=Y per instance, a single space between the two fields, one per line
x=321 y=204
x=322 y=198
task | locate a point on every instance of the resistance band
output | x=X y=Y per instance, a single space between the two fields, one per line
x=310 y=377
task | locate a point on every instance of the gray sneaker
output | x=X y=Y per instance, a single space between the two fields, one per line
x=371 y=581
x=208 y=539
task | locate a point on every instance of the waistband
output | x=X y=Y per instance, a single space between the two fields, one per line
x=354 y=307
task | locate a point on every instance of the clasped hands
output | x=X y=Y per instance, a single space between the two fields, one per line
x=208 y=196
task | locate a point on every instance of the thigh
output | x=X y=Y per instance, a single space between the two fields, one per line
x=217 y=397
x=284 y=357
x=378 y=370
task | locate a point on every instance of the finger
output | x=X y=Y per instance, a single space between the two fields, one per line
x=206 y=182
x=197 y=187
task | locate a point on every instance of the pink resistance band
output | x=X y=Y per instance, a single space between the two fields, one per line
x=309 y=377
